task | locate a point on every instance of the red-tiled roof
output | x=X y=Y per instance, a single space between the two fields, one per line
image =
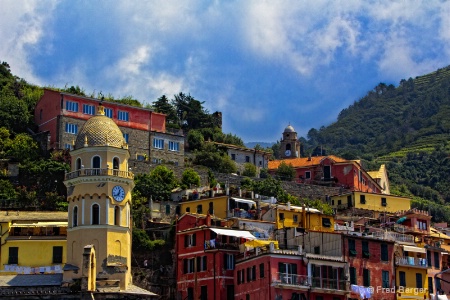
x=304 y=161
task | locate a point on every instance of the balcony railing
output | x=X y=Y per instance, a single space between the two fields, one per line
x=309 y=281
x=411 y=261
x=393 y=236
x=99 y=172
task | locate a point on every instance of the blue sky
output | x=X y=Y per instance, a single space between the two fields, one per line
x=263 y=64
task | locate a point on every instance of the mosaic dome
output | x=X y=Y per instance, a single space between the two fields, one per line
x=100 y=131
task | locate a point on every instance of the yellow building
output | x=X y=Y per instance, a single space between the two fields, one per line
x=33 y=242
x=370 y=201
x=217 y=206
x=99 y=195
x=411 y=272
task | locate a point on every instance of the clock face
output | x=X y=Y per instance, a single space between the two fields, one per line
x=287 y=153
x=118 y=193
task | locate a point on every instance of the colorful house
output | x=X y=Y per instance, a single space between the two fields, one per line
x=206 y=253
x=370 y=201
x=330 y=170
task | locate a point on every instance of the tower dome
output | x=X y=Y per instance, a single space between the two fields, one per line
x=289 y=128
x=100 y=131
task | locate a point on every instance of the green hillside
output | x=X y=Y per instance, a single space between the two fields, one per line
x=405 y=127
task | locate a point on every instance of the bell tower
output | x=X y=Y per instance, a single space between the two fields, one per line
x=99 y=195
x=289 y=144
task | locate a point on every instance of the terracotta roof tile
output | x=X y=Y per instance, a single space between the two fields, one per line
x=304 y=161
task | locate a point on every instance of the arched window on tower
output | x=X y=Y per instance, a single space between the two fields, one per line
x=288 y=147
x=96 y=165
x=75 y=217
x=117 y=215
x=115 y=166
x=78 y=163
x=95 y=214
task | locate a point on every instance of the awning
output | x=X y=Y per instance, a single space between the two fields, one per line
x=40 y=224
x=414 y=249
x=244 y=201
x=260 y=243
x=237 y=233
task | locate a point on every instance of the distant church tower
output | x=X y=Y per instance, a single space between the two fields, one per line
x=99 y=195
x=289 y=144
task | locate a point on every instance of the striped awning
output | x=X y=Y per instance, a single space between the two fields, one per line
x=237 y=233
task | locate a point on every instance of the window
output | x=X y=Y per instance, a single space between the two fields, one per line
x=281 y=216
x=383 y=202
x=188 y=265
x=108 y=112
x=71 y=128
x=247 y=158
x=351 y=248
x=75 y=217
x=229 y=261
x=402 y=277
x=199 y=209
x=308 y=175
x=249 y=274
x=254 y=272
x=95 y=214
x=201 y=263
x=68 y=146
x=72 y=106
x=174 y=146
x=384 y=252
x=189 y=240
x=140 y=157
x=158 y=143
x=40 y=114
x=167 y=209
x=122 y=115
x=295 y=218
x=88 y=109
x=188 y=209
x=261 y=270
x=326 y=222
x=125 y=137
x=117 y=215
x=203 y=292
x=13 y=257
x=317 y=250
x=233 y=156
x=96 y=162
x=430 y=285
x=385 y=279
x=436 y=260
x=190 y=293
x=366 y=277
x=57 y=254
x=362 y=199
x=365 y=249
x=419 y=283
x=353 y=275
x=287 y=272
x=429 y=258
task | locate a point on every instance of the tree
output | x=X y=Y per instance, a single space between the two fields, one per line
x=23 y=148
x=158 y=184
x=7 y=190
x=215 y=159
x=162 y=105
x=195 y=140
x=14 y=113
x=249 y=170
x=285 y=172
x=270 y=187
x=189 y=178
x=190 y=113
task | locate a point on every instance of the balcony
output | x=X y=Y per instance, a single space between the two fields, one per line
x=99 y=172
x=242 y=213
x=403 y=229
x=305 y=282
x=411 y=261
x=219 y=245
x=393 y=236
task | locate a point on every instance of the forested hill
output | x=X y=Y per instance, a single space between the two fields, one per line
x=415 y=116
x=405 y=127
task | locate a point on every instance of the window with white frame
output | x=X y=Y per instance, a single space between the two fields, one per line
x=88 y=109
x=108 y=112
x=71 y=128
x=229 y=261
x=72 y=106
x=123 y=115
x=158 y=143
x=189 y=240
x=189 y=265
x=174 y=146
x=125 y=137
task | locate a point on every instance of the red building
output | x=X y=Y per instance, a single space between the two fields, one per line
x=371 y=264
x=206 y=257
x=330 y=170
x=62 y=115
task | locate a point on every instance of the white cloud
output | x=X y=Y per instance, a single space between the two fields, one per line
x=21 y=27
